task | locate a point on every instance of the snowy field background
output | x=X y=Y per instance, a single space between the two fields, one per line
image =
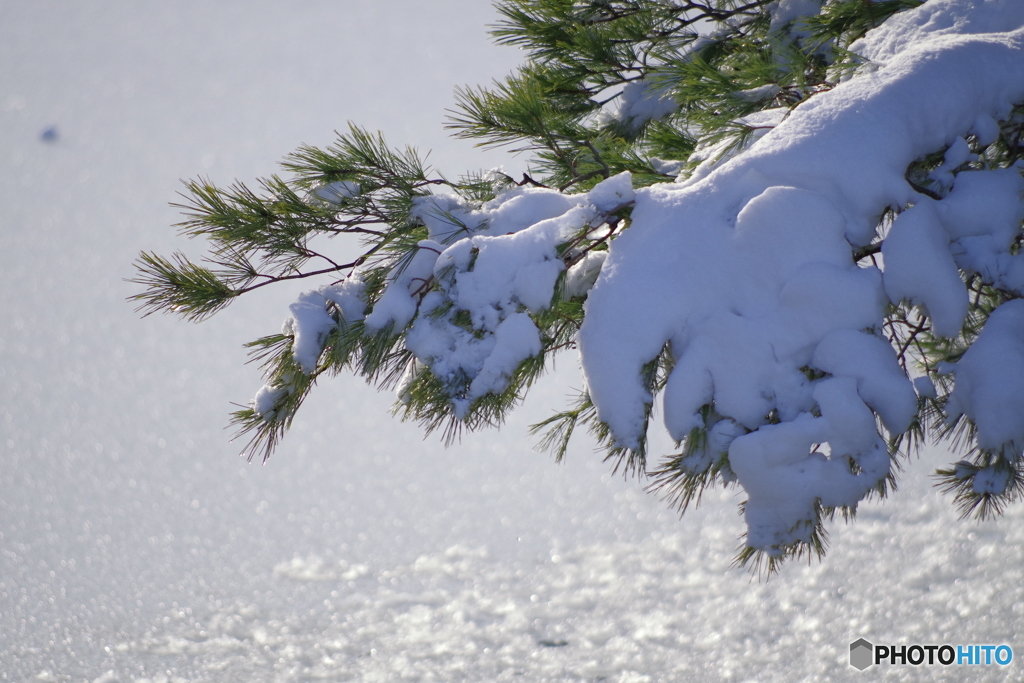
x=134 y=545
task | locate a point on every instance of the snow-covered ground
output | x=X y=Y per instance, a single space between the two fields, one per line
x=134 y=545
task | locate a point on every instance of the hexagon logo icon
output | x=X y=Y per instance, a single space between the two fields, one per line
x=861 y=654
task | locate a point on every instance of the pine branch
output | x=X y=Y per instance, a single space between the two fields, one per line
x=645 y=86
x=179 y=286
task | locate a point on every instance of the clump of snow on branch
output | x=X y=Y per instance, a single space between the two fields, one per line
x=464 y=297
x=638 y=103
x=988 y=388
x=312 y=319
x=785 y=12
x=746 y=273
x=336 y=193
x=474 y=330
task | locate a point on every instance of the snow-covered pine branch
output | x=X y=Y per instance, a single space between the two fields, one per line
x=833 y=273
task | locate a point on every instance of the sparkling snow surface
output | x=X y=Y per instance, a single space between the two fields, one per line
x=134 y=545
